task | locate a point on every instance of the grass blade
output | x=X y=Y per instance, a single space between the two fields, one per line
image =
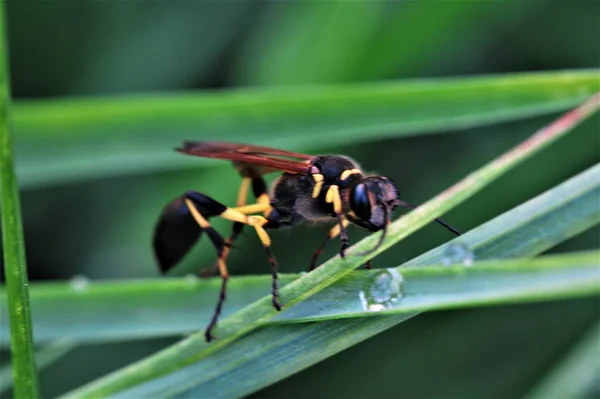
x=577 y=375
x=240 y=323
x=45 y=357
x=129 y=310
x=134 y=133
x=24 y=371
x=293 y=348
x=406 y=290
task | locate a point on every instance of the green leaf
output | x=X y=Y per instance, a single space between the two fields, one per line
x=151 y=308
x=258 y=313
x=24 y=371
x=73 y=139
x=423 y=288
x=575 y=376
x=560 y=213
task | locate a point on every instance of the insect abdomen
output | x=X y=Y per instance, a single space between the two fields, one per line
x=177 y=232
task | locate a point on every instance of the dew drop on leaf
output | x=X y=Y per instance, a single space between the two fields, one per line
x=382 y=291
x=458 y=253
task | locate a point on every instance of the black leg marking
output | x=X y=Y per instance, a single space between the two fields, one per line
x=213 y=322
x=343 y=236
x=219 y=244
x=274 y=293
x=201 y=207
x=259 y=187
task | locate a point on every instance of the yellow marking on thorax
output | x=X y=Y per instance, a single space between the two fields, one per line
x=333 y=196
x=318 y=178
x=345 y=174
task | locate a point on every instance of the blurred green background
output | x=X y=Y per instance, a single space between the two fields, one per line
x=101 y=228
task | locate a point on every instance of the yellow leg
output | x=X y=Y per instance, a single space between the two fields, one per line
x=252 y=208
x=221 y=264
x=333 y=196
x=335 y=230
x=265 y=201
x=237 y=217
x=202 y=222
x=243 y=193
x=258 y=222
x=242 y=198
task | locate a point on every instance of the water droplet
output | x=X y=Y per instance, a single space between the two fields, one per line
x=382 y=291
x=458 y=253
x=191 y=278
x=79 y=283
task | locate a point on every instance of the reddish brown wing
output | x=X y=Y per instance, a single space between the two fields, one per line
x=271 y=159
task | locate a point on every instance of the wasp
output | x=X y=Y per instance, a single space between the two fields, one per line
x=325 y=188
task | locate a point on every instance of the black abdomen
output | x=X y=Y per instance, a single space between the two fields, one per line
x=177 y=231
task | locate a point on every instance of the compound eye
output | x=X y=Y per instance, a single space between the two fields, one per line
x=359 y=201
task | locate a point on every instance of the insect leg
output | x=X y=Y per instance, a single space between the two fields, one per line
x=242 y=198
x=211 y=207
x=258 y=222
x=219 y=245
x=263 y=202
x=263 y=205
x=333 y=196
x=236 y=228
x=334 y=232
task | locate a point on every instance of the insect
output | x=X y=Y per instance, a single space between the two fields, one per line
x=322 y=188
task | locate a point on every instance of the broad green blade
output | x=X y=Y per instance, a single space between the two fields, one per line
x=74 y=139
x=194 y=348
x=151 y=308
x=24 y=370
x=577 y=376
x=293 y=348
